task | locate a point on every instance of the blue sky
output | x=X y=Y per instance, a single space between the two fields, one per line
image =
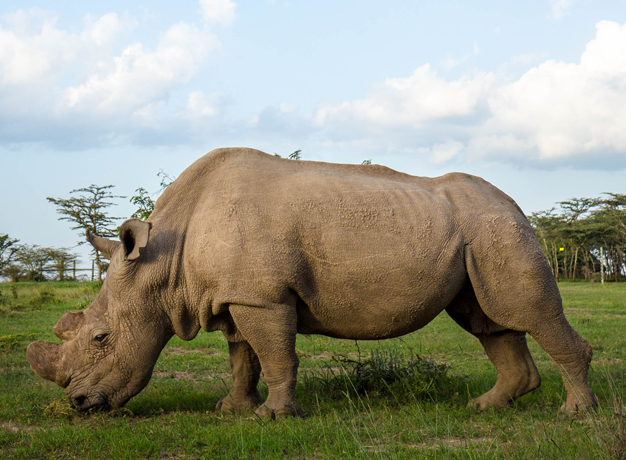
x=529 y=95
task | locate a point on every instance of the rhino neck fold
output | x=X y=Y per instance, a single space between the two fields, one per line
x=182 y=314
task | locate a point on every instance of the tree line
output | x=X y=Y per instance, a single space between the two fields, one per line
x=582 y=238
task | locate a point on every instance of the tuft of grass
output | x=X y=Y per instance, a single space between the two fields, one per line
x=60 y=408
x=385 y=373
x=618 y=446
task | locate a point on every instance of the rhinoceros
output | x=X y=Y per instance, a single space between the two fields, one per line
x=262 y=248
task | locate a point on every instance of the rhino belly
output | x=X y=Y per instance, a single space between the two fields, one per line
x=372 y=315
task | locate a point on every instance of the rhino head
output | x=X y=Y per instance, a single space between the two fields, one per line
x=109 y=349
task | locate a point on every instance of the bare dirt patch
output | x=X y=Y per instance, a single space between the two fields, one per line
x=451 y=442
x=177 y=351
x=16 y=428
x=190 y=376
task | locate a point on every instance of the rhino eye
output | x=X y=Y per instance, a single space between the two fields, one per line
x=100 y=337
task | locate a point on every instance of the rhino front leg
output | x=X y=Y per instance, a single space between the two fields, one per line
x=271 y=332
x=246 y=369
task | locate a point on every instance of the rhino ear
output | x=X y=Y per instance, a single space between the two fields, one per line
x=68 y=325
x=134 y=234
x=104 y=245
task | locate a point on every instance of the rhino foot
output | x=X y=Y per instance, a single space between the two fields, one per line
x=273 y=414
x=489 y=401
x=576 y=405
x=228 y=403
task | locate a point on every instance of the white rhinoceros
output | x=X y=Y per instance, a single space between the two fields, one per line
x=263 y=248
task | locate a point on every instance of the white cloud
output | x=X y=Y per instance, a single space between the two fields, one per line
x=26 y=56
x=53 y=82
x=526 y=58
x=412 y=101
x=218 y=11
x=558 y=110
x=139 y=76
x=105 y=29
x=200 y=105
x=440 y=153
x=559 y=7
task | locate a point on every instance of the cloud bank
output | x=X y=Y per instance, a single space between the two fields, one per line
x=86 y=89
x=72 y=90
x=554 y=111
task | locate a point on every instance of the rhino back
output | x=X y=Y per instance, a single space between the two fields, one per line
x=362 y=251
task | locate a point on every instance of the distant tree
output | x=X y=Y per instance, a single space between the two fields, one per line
x=89 y=211
x=13 y=271
x=585 y=236
x=367 y=162
x=144 y=203
x=8 y=250
x=33 y=260
x=60 y=260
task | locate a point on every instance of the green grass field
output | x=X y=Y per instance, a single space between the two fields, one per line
x=417 y=417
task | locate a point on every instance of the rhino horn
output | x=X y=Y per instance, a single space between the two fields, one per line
x=104 y=245
x=44 y=358
x=134 y=234
x=68 y=325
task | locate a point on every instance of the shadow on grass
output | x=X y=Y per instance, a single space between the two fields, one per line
x=383 y=377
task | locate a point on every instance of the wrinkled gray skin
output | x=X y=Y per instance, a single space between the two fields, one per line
x=262 y=248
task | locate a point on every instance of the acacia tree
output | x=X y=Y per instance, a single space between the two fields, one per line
x=88 y=211
x=60 y=260
x=8 y=250
x=33 y=260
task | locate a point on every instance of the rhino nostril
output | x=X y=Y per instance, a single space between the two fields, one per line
x=79 y=401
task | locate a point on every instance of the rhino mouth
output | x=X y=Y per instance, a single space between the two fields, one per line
x=96 y=403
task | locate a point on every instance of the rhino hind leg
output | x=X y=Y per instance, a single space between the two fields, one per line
x=246 y=370
x=271 y=333
x=515 y=288
x=507 y=350
x=517 y=373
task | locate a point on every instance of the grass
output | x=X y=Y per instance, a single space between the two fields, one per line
x=400 y=398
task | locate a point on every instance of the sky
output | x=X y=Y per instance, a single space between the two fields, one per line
x=529 y=95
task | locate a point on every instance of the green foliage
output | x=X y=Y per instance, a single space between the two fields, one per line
x=367 y=162
x=144 y=203
x=143 y=200
x=292 y=156
x=585 y=237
